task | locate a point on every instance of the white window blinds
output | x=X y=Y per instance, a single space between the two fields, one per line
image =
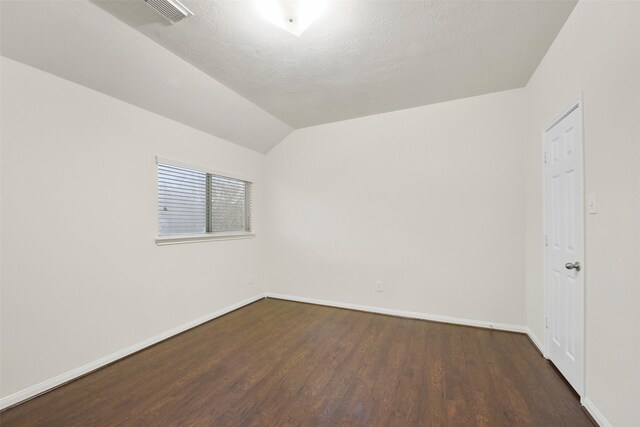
x=193 y=202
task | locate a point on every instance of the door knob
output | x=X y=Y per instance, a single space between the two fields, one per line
x=572 y=265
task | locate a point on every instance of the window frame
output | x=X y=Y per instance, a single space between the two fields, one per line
x=209 y=236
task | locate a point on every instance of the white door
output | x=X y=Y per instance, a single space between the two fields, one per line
x=564 y=242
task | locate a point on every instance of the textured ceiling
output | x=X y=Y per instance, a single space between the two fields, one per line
x=81 y=42
x=360 y=57
x=230 y=73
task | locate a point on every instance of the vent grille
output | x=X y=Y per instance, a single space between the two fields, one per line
x=173 y=10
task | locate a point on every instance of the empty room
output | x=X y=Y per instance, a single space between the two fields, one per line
x=320 y=213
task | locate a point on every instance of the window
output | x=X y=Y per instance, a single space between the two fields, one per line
x=197 y=205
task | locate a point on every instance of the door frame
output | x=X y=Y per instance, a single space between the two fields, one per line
x=577 y=104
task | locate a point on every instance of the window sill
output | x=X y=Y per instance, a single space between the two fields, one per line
x=197 y=238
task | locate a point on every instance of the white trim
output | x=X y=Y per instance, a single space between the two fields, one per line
x=595 y=413
x=577 y=104
x=196 y=238
x=47 y=385
x=537 y=342
x=165 y=161
x=404 y=313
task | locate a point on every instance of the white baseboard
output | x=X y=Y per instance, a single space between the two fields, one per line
x=586 y=402
x=595 y=413
x=536 y=341
x=44 y=386
x=404 y=313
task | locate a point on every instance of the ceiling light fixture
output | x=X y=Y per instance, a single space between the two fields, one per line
x=294 y=16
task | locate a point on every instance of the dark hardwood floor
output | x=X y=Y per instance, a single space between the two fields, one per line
x=277 y=363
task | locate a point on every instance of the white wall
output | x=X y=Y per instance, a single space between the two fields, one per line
x=81 y=274
x=597 y=53
x=442 y=203
x=428 y=200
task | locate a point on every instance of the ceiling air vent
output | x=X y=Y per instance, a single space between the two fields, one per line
x=173 y=10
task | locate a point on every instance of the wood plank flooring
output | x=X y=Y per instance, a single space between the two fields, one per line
x=281 y=363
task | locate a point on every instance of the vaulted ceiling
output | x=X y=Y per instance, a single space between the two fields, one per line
x=230 y=73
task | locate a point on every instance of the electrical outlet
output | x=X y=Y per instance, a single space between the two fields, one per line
x=379 y=286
